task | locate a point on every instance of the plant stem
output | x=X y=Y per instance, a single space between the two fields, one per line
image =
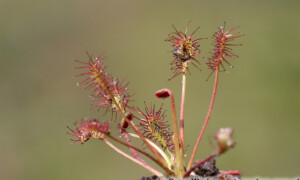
x=207 y=117
x=198 y=163
x=179 y=170
x=231 y=172
x=150 y=169
x=132 y=150
x=153 y=150
x=141 y=151
x=135 y=128
x=182 y=110
x=162 y=153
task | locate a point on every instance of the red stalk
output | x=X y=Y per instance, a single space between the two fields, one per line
x=137 y=149
x=179 y=169
x=231 y=172
x=207 y=117
x=150 y=169
x=133 y=152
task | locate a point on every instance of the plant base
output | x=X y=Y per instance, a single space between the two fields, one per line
x=217 y=177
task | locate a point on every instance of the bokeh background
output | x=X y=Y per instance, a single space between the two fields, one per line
x=39 y=41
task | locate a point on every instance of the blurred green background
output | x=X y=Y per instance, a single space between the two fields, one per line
x=39 y=41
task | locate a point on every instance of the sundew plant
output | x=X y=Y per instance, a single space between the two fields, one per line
x=148 y=124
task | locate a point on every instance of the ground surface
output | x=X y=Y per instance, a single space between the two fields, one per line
x=232 y=178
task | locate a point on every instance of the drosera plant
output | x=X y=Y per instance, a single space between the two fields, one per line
x=166 y=145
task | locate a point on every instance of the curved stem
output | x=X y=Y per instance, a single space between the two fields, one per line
x=163 y=154
x=175 y=126
x=206 y=119
x=136 y=149
x=179 y=163
x=150 y=169
x=143 y=152
x=132 y=150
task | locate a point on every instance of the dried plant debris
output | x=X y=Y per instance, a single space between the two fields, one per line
x=150 y=178
x=207 y=169
x=216 y=177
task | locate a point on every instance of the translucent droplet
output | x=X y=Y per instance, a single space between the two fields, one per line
x=231 y=66
x=78 y=84
x=92 y=97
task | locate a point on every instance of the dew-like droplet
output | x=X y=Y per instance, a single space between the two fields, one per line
x=78 y=84
x=92 y=97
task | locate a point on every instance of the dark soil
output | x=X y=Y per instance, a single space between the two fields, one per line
x=206 y=171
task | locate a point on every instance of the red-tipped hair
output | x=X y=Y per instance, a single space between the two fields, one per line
x=222 y=50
